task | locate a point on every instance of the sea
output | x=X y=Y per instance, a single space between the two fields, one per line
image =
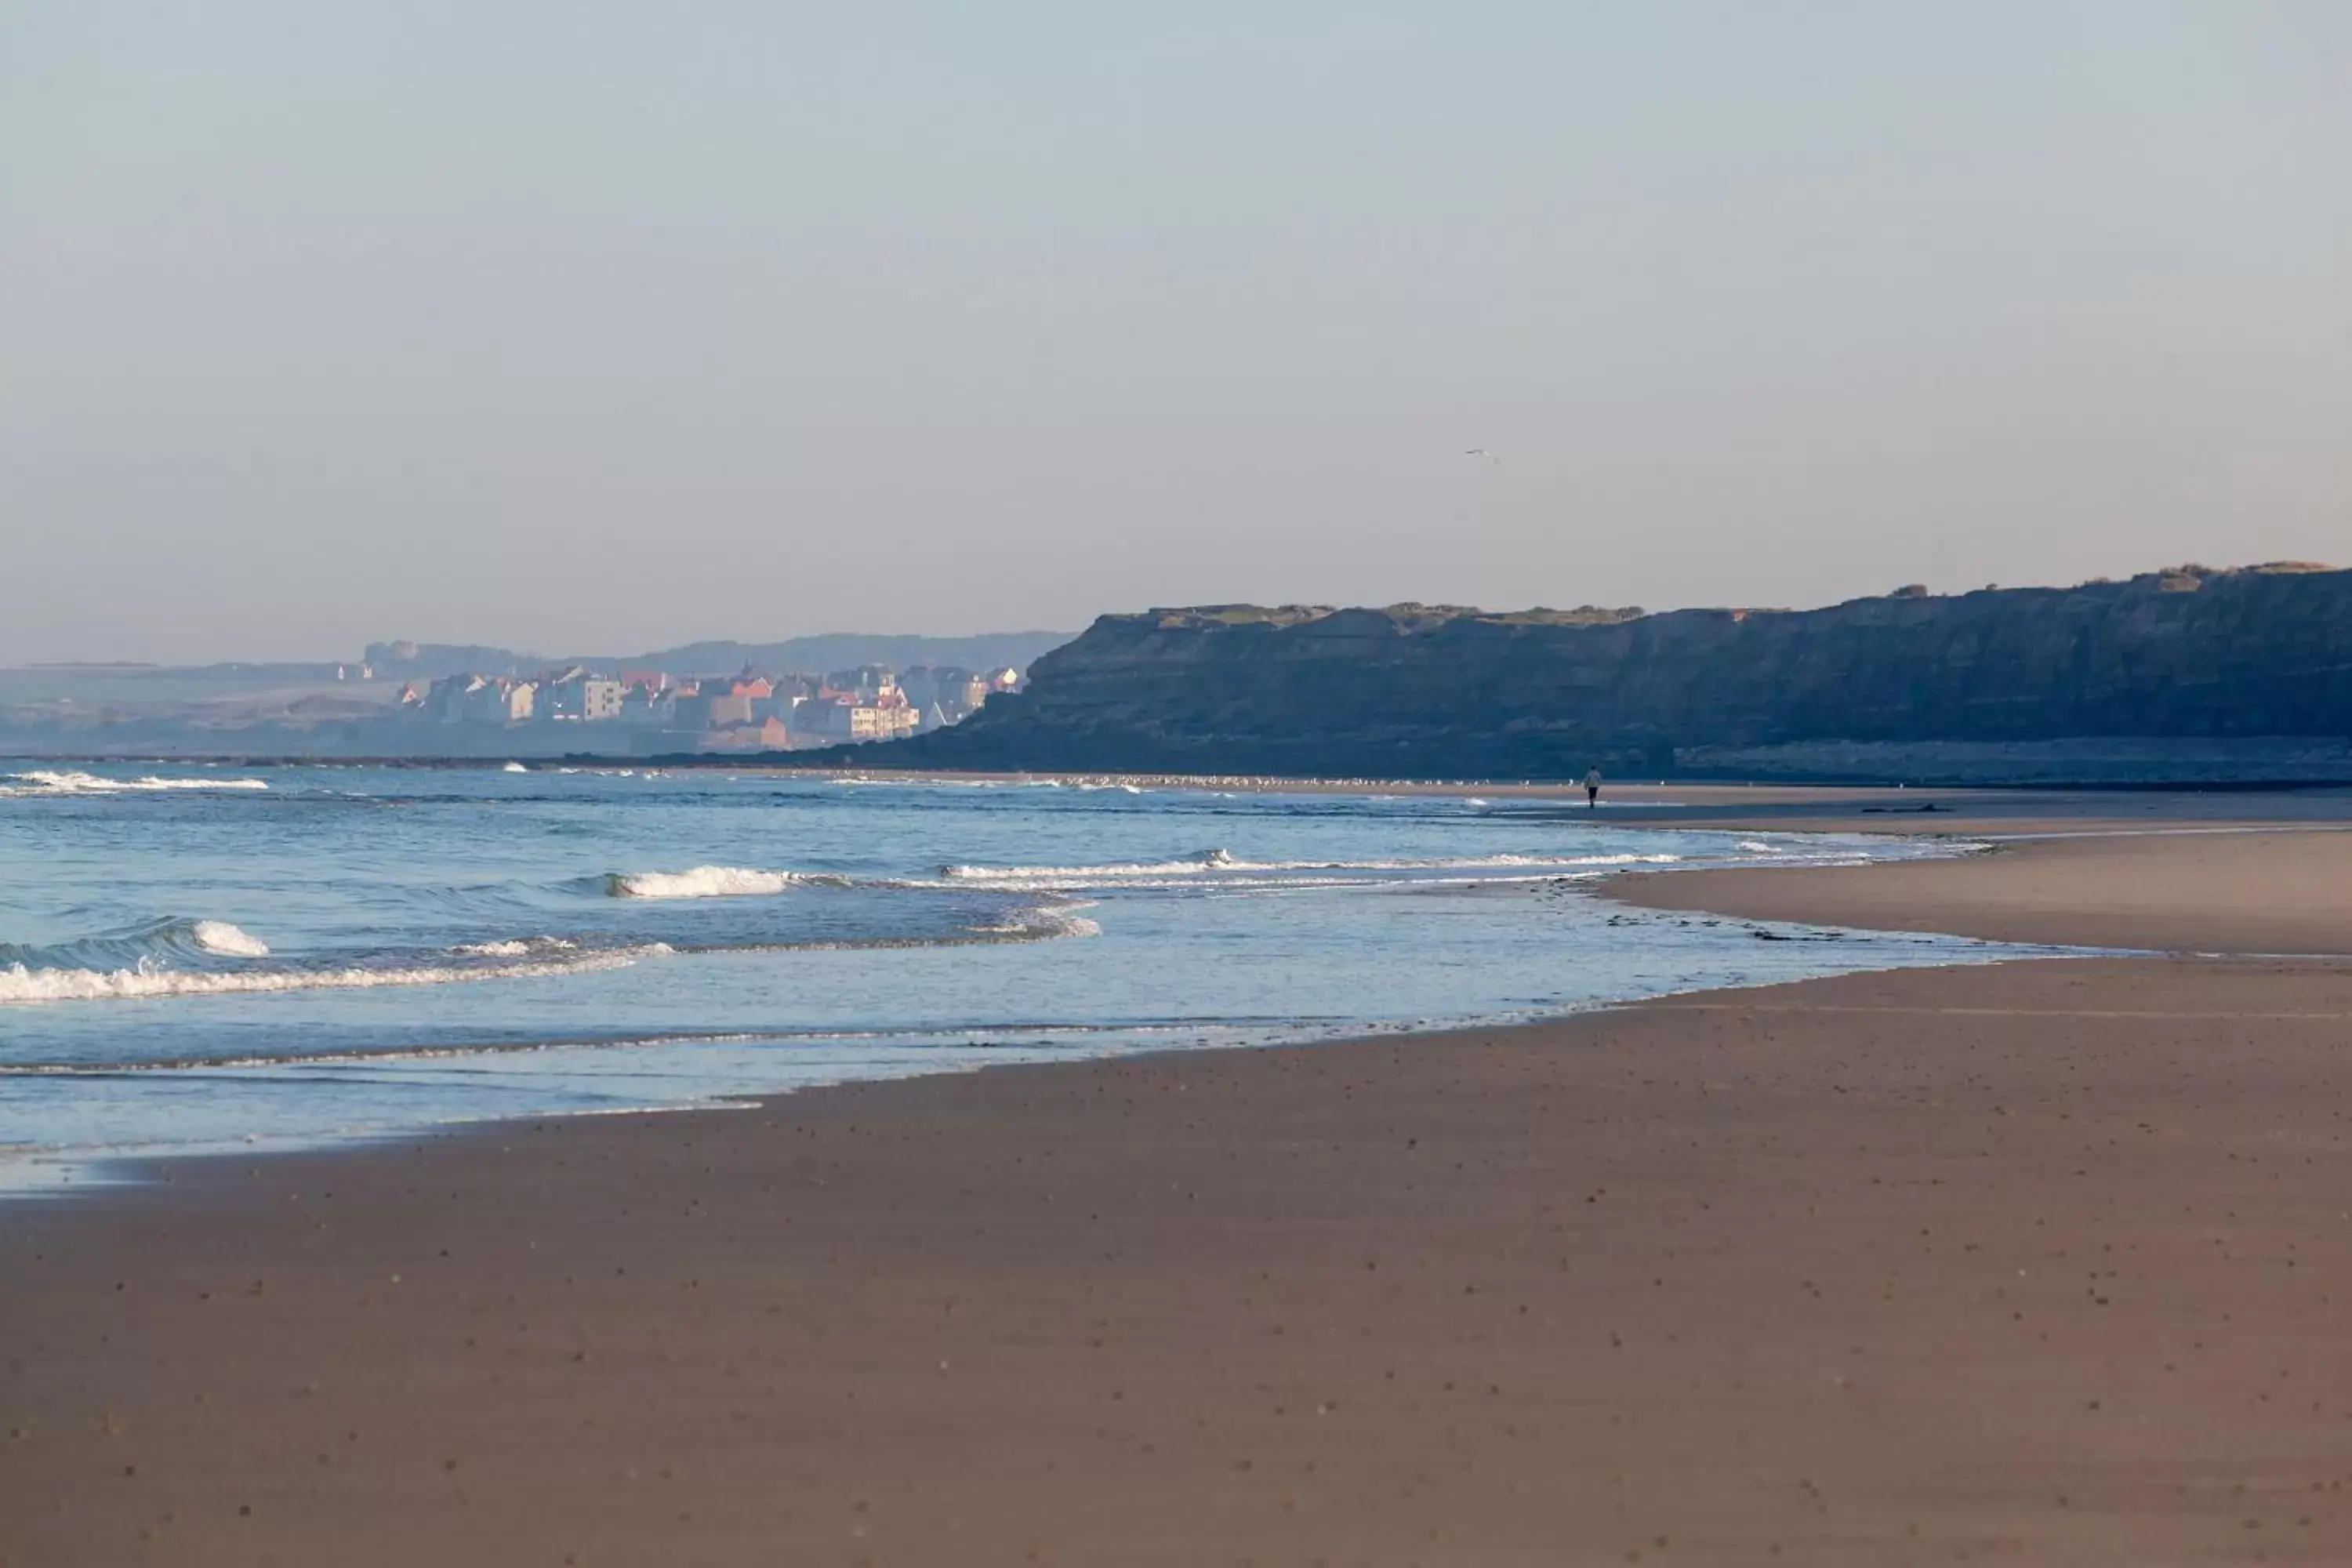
x=195 y=960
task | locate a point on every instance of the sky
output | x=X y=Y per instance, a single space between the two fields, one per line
x=591 y=324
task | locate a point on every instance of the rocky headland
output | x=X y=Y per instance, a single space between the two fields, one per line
x=2186 y=674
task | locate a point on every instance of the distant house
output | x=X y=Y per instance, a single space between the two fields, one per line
x=838 y=716
x=517 y=701
x=575 y=695
x=445 y=698
x=946 y=694
x=479 y=699
x=714 y=707
x=768 y=736
x=646 y=705
x=867 y=681
x=965 y=698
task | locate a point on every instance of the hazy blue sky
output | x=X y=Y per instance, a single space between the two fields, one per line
x=597 y=325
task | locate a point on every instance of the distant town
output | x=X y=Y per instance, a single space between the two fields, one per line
x=401 y=698
x=653 y=711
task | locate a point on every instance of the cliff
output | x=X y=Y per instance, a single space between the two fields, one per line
x=2188 y=674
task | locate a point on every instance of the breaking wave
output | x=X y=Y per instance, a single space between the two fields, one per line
x=713 y=882
x=229 y=940
x=1041 y=924
x=161 y=942
x=1216 y=859
x=47 y=781
x=20 y=982
x=1215 y=863
x=170 y=958
x=518 y=948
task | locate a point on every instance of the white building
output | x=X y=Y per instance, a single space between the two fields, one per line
x=576 y=696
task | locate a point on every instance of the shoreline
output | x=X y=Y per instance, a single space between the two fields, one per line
x=2033 y=1258
x=1797 y=895
x=98 y=1168
x=2273 y=890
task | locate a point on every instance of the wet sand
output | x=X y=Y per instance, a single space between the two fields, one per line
x=2193 y=888
x=2044 y=1262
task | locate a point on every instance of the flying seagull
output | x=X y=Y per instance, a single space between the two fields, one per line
x=1482 y=454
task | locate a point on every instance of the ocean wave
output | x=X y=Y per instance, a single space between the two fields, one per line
x=714 y=882
x=518 y=947
x=1289 y=882
x=1038 y=922
x=158 y=942
x=1043 y=923
x=1216 y=859
x=1221 y=863
x=229 y=940
x=47 y=782
x=21 y=983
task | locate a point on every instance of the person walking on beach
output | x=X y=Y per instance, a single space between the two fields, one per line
x=1592 y=790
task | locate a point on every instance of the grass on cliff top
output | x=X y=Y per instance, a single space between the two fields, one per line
x=1300 y=614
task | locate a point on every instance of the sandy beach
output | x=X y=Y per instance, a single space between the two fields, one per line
x=2188 y=888
x=2043 y=1262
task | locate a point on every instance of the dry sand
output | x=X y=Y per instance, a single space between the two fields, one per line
x=2046 y=1262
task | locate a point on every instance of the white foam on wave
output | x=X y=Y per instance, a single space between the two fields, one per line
x=46 y=781
x=154 y=942
x=229 y=940
x=1116 y=868
x=1287 y=883
x=20 y=984
x=1042 y=924
x=514 y=948
x=519 y=768
x=1218 y=864
x=711 y=883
